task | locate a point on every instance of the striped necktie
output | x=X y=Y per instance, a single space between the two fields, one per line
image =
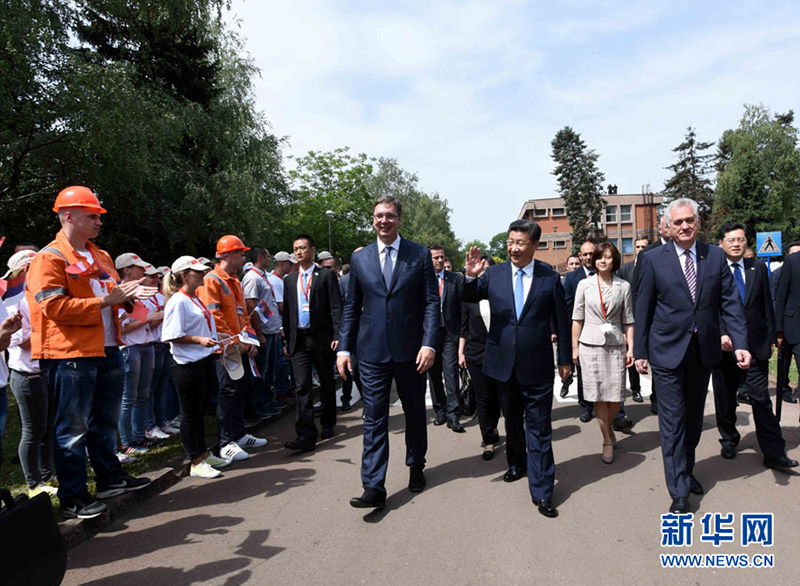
x=691 y=276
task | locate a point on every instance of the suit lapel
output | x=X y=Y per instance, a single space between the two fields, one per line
x=373 y=258
x=400 y=263
x=702 y=254
x=749 y=278
x=314 y=284
x=671 y=253
x=616 y=295
x=536 y=283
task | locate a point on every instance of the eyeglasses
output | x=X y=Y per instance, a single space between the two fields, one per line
x=389 y=217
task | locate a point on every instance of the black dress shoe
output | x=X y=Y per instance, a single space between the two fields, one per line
x=416 y=479
x=487 y=454
x=456 y=426
x=694 y=485
x=743 y=398
x=327 y=433
x=371 y=499
x=782 y=463
x=654 y=408
x=728 y=452
x=514 y=474
x=679 y=506
x=300 y=444
x=586 y=415
x=547 y=508
x=789 y=398
x=637 y=396
x=346 y=405
x=564 y=391
x=440 y=420
x=622 y=423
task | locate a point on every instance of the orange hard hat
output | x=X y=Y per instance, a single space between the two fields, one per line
x=78 y=196
x=230 y=243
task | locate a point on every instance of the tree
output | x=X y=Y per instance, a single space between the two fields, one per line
x=690 y=178
x=758 y=183
x=580 y=183
x=497 y=246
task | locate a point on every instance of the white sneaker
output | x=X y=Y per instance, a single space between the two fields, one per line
x=233 y=452
x=215 y=462
x=155 y=434
x=203 y=470
x=168 y=429
x=248 y=441
x=45 y=488
x=125 y=458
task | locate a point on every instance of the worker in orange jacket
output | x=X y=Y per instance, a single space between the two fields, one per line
x=223 y=296
x=74 y=300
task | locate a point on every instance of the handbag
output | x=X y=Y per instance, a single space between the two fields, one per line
x=34 y=551
x=467 y=404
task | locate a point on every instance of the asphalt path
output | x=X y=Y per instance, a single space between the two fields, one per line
x=283 y=518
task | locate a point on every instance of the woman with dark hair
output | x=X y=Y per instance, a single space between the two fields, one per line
x=471 y=346
x=602 y=339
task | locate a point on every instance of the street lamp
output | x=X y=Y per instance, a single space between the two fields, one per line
x=555 y=229
x=329 y=214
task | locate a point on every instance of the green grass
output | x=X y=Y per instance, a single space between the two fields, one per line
x=773 y=369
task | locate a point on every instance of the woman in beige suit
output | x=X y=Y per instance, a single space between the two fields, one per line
x=602 y=339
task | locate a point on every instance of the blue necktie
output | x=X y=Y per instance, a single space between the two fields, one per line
x=305 y=318
x=387 y=266
x=519 y=293
x=737 y=276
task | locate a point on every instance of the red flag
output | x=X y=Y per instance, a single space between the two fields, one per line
x=139 y=312
x=3 y=287
x=81 y=268
x=2 y=239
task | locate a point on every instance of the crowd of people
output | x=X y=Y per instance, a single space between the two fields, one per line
x=109 y=358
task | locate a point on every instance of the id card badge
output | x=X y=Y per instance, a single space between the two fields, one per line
x=606 y=328
x=305 y=308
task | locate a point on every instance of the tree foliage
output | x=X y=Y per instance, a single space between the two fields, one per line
x=690 y=177
x=580 y=183
x=758 y=183
x=497 y=246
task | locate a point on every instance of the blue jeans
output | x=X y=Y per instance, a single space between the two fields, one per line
x=3 y=411
x=282 y=381
x=266 y=361
x=88 y=392
x=136 y=390
x=158 y=386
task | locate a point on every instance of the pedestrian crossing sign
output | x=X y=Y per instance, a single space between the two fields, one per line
x=768 y=244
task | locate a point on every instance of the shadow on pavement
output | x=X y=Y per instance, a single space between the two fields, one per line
x=175 y=577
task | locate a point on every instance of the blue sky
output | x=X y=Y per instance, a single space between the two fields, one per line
x=468 y=95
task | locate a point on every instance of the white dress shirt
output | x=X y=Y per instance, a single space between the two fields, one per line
x=527 y=278
x=682 y=257
x=740 y=262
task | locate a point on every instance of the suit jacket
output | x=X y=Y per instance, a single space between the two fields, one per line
x=666 y=317
x=381 y=324
x=787 y=304
x=325 y=305
x=758 y=310
x=344 y=284
x=619 y=313
x=523 y=345
x=451 y=302
x=571 y=285
x=635 y=282
x=626 y=271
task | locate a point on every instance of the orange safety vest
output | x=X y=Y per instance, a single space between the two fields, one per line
x=223 y=296
x=66 y=320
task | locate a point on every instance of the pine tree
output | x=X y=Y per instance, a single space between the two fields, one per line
x=690 y=177
x=580 y=184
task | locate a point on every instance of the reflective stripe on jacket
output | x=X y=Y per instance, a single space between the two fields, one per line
x=223 y=296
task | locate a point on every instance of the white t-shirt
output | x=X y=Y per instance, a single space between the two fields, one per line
x=101 y=289
x=140 y=335
x=187 y=316
x=277 y=286
x=3 y=367
x=19 y=358
x=256 y=286
x=155 y=303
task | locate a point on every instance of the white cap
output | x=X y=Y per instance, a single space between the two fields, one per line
x=18 y=260
x=188 y=262
x=151 y=270
x=284 y=256
x=204 y=260
x=129 y=259
x=324 y=255
x=162 y=270
x=247 y=266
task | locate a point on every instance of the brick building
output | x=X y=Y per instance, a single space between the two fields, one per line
x=626 y=218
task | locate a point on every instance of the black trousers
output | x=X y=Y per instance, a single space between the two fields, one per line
x=445 y=396
x=230 y=405
x=726 y=378
x=305 y=356
x=193 y=384
x=487 y=398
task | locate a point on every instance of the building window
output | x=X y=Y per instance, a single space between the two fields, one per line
x=627 y=246
x=540 y=213
x=611 y=214
x=614 y=241
x=559 y=243
x=624 y=213
x=557 y=212
x=543 y=245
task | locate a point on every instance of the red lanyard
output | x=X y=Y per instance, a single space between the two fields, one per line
x=202 y=307
x=602 y=305
x=307 y=288
x=256 y=271
x=156 y=305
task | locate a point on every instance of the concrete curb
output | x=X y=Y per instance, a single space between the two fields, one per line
x=75 y=531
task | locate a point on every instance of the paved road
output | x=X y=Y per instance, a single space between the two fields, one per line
x=280 y=518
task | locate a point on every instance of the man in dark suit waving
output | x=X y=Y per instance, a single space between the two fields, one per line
x=312 y=310
x=525 y=298
x=685 y=289
x=392 y=320
x=750 y=276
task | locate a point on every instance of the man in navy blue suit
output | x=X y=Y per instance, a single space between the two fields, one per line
x=391 y=320
x=685 y=288
x=525 y=298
